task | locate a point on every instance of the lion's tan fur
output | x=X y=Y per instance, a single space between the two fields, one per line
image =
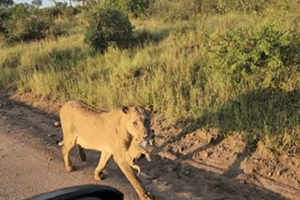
x=112 y=133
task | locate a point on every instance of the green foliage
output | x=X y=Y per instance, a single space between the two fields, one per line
x=138 y=7
x=241 y=5
x=132 y=7
x=6 y=3
x=30 y=28
x=107 y=26
x=240 y=53
x=53 y=12
x=25 y=27
x=4 y=16
x=21 y=23
x=174 y=10
x=67 y=11
x=37 y=3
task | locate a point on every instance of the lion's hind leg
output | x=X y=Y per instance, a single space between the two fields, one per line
x=68 y=145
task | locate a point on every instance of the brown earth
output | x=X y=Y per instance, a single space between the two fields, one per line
x=187 y=163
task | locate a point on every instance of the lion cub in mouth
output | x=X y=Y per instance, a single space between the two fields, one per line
x=135 y=151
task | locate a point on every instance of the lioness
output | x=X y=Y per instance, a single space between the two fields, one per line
x=108 y=132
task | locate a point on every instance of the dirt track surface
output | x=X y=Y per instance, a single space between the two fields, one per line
x=31 y=163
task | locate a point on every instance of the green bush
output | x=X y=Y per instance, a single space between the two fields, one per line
x=138 y=7
x=26 y=29
x=52 y=12
x=4 y=16
x=241 y=5
x=131 y=7
x=107 y=26
x=264 y=51
x=174 y=10
x=24 y=26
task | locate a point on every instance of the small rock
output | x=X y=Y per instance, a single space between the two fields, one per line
x=57 y=124
x=187 y=172
x=49 y=159
x=204 y=155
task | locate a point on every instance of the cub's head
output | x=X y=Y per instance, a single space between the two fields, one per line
x=138 y=123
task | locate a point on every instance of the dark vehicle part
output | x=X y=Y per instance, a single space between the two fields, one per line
x=86 y=192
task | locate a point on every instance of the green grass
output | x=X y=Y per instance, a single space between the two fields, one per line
x=222 y=71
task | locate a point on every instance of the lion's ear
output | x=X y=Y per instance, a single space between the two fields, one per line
x=149 y=108
x=125 y=109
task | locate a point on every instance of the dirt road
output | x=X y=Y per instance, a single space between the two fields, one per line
x=31 y=163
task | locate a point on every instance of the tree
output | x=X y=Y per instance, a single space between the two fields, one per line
x=37 y=3
x=6 y=3
x=54 y=2
x=28 y=6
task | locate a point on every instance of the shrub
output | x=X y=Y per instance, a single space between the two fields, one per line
x=240 y=5
x=53 y=12
x=132 y=7
x=108 y=26
x=174 y=10
x=265 y=50
x=138 y=7
x=24 y=26
x=26 y=29
x=4 y=16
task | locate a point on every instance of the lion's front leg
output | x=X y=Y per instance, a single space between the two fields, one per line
x=133 y=179
x=102 y=164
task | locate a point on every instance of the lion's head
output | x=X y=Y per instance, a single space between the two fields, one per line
x=139 y=121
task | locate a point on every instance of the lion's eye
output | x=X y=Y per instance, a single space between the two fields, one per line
x=135 y=123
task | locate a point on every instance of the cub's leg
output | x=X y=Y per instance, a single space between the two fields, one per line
x=131 y=163
x=66 y=148
x=81 y=153
x=102 y=164
x=133 y=179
